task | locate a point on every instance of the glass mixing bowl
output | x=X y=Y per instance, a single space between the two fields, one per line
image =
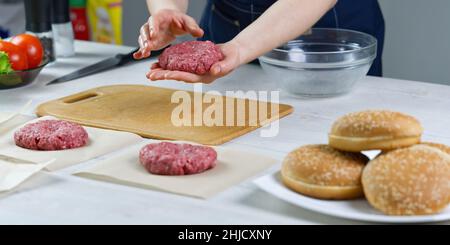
x=324 y=63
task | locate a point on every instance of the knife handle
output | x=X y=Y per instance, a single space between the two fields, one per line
x=127 y=58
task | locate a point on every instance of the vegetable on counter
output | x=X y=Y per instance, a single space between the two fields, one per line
x=24 y=51
x=32 y=46
x=17 y=57
x=5 y=66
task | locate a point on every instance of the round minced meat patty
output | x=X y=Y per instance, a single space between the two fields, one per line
x=192 y=56
x=167 y=158
x=51 y=135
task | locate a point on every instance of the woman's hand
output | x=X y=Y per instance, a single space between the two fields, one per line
x=162 y=28
x=230 y=62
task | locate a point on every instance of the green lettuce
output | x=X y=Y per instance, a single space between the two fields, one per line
x=5 y=66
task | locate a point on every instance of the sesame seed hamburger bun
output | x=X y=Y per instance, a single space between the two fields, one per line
x=442 y=147
x=322 y=172
x=374 y=130
x=408 y=181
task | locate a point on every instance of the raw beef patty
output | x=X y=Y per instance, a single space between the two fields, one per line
x=167 y=158
x=193 y=56
x=51 y=135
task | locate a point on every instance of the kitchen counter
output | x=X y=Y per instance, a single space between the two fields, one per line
x=59 y=198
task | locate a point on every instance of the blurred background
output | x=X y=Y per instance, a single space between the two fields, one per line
x=417 y=45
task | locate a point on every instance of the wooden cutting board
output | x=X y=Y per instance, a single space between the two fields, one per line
x=147 y=111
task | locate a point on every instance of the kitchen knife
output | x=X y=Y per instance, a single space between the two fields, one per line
x=116 y=61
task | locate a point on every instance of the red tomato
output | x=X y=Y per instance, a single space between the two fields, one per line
x=17 y=56
x=33 y=47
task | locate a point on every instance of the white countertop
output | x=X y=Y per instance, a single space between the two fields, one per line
x=59 y=198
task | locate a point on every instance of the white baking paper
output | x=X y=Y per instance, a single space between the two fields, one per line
x=233 y=166
x=101 y=141
x=15 y=171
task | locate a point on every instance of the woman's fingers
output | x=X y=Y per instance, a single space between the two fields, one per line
x=144 y=47
x=138 y=54
x=145 y=34
x=148 y=38
x=223 y=67
x=155 y=66
x=183 y=76
x=191 y=26
x=160 y=74
x=178 y=23
x=155 y=75
x=159 y=30
x=153 y=26
x=228 y=64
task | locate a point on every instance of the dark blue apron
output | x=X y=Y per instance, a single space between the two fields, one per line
x=224 y=19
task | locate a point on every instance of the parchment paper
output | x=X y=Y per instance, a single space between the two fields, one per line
x=101 y=141
x=10 y=120
x=233 y=166
x=7 y=116
x=15 y=171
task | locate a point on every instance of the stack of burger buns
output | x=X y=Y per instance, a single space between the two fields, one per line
x=408 y=177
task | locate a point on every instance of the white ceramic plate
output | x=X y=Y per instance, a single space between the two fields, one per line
x=354 y=210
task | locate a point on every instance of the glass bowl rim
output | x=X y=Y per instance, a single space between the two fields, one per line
x=370 y=46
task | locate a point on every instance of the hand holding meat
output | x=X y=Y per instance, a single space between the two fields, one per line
x=281 y=22
x=212 y=69
x=162 y=28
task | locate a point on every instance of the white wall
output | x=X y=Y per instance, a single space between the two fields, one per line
x=417 y=45
x=417 y=40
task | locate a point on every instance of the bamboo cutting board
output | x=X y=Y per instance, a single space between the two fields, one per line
x=147 y=111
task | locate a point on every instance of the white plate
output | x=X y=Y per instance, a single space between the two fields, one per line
x=354 y=209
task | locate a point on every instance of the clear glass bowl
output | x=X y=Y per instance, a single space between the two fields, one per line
x=324 y=63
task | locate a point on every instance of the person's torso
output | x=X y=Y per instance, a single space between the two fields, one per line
x=246 y=11
x=224 y=19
